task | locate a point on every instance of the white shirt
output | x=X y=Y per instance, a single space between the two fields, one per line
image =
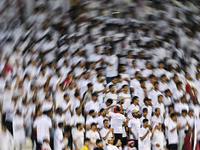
x=134 y=84
x=158 y=138
x=183 y=121
x=178 y=107
x=79 y=137
x=129 y=110
x=127 y=99
x=153 y=95
x=112 y=96
x=112 y=71
x=158 y=119
x=139 y=92
x=117 y=121
x=103 y=133
x=91 y=105
x=145 y=144
x=149 y=111
x=98 y=87
x=18 y=130
x=190 y=121
x=6 y=140
x=112 y=147
x=58 y=139
x=42 y=124
x=162 y=86
x=93 y=136
x=172 y=136
x=134 y=124
x=162 y=108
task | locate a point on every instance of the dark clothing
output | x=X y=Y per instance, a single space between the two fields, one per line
x=98 y=148
x=173 y=147
x=118 y=137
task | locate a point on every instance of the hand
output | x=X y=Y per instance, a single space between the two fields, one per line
x=69 y=106
x=178 y=126
x=134 y=136
x=111 y=129
x=153 y=130
x=119 y=143
x=105 y=89
x=148 y=131
x=158 y=145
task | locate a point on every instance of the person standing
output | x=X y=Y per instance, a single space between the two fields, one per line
x=157 y=137
x=58 y=137
x=134 y=126
x=173 y=126
x=18 y=130
x=78 y=136
x=144 y=136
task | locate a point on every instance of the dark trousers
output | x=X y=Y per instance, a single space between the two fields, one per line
x=124 y=141
x=118 y=137
x=38 y=146
x=9 y=126
x=136 y=143
x=173 y=147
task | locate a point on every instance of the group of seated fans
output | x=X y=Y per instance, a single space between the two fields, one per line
x=103 y=75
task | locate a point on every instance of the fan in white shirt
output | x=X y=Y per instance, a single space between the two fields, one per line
x=162 y=84
x=134 y=126
x=6 y=139
x=93 y=135
x=99 y=88
x=132 y=70
x=134 y=105
x=160 y=71
x=58 y=137
x=91 y=118
x=190 y=118
x=167 y=99
x=134 y=84
x=126 y=96
x=159 y=104
x=106 y=132
x=182 y=105
x=92 y=105
x=147 y=72
x=153 y=95
x=177 y=94
x=173 y=127
x=157 y=117
x=78 y=136
x=141 y=62
x=148 y=105
x=157 y=137
x=95 y=57
x=144 y=137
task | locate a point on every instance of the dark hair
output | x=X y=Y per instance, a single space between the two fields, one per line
x=155 y=83
x=76 y=94
x=89 y=85
x=179 y=83
x=145 y=120
x=99 y=75
x=124 y=85
x=60 y=124
x=65 y=95
x=173 y=115
x=156 y=109
x=134 y=98
x=101 y=110
x=91 y=111
x=137 y=72
x=160 y=95
x=77 y=125
x=98 y=141
x=145 y=110
x=86 y=140
x=110 y=86
x=163 y=75
x=105 y=120
x=152 y=76
x=168 y=90
x=109 y=100
x=184 y=111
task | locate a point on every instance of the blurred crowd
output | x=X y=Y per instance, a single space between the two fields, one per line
x=100 y=74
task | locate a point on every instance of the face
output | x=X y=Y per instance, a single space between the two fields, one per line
x=100 y=144
x=135 y=114
x=134 y=64
x=132 y=144
x=94 y=98
x=111 y=141
x=145 y=124
x=148 y=66
x=160 y=99
x=99 y=79
x=87 y=143
x=126 y=88
x=105 y=124
x=145 y=113
x=112 y=89
x=114 y=80
x=174 y=118
x=158 y=112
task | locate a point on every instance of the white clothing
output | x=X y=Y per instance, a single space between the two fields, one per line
x=134 y=124
x=158 y=138
x=58 y=139
x=145 y=143
x=79 y=137
x=172 y=136
x=93 y=136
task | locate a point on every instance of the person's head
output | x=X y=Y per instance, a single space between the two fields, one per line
x=161 y=64
x=123 y=68
x=160 y=98
x=125 y=88
x=184 y=113
x=163 y=78
x=152 y=78
x=59 y=111
x=167 y=93
x=156 y=84
x=109 y=102
x=99 y=143
x=183 y=99
x=135 y=100
x=78 y=110
x=96 y=49
x=87 y=142
x=134 y=64
x=110 y=140
x=90 y=87
x=179 y=85
x=157 y=111
x=77 y=94
x=191 y=112
x=99 y=78
x=99 y=71
x=148 y=65
x=114 y=80
x=48 y=97
x=187 y=76
x=112 y=88
x=131 y=144
x=102 y=112
x=145 y=123
x=146 y=101
x=138 y=74
x=176 y=78
x=94 y=97
x=86 y=75
x=135 y=113
x=145 y=112
x=61 y=125
x=93 y=126
x=171 y=109
x=105 y=123
x=66 y=97
x=142 y=84
x=174 y=117
x=122 y=110
x=79 y=126
x=120 y=100
x=92 y=113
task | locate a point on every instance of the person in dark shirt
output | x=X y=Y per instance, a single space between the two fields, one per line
x=99 y=145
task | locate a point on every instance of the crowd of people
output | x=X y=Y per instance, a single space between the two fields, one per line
x=100 y=74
